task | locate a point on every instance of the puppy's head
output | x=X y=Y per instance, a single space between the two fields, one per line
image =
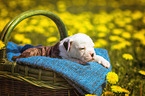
x=79 y=46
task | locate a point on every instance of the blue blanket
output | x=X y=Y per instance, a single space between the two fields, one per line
x=87 y=79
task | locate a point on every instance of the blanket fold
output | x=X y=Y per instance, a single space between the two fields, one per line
x=87 y=79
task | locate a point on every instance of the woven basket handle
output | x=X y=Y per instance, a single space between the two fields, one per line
x=11 y=25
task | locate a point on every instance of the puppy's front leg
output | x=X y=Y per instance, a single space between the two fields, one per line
x=101 y=60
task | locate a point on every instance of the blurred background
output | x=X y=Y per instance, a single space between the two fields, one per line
x=115 y=25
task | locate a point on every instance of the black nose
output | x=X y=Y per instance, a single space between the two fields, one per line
x=92 y=55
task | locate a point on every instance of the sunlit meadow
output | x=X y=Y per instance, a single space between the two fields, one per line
x=115 y=25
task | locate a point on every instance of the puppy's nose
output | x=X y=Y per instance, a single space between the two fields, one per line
x=92 y=54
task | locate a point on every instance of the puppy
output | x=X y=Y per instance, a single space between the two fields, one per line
x=77 y=48
x=80 y=48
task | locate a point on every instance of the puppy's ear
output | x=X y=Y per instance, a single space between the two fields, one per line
x=67 y=44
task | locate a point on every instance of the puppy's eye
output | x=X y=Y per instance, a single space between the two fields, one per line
x=81 y=48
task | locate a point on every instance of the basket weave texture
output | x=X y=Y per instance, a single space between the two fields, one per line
x=13 y=87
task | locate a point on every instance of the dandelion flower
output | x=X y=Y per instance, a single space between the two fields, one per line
x=112 y=77
x=39 y=29
x=52 y=39
x=127 y=56
x=128 y=20
x=117 y=31
x=26 y=41
x=100 y=43
x=102 y=28
x=140 y=36
x=142 y=72
x=34 y=21
x=2 y=45
x=61 y=6
x=116 y=38
x=137 y=15
x=108 y=93
x=102 y=34
x=119 y=46
x=129 y=27
x=125 y=91
x=19 y=37
x=118 y=89
x=126 y=35
x=127 y=43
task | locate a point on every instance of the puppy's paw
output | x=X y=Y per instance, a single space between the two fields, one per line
x=102 y=61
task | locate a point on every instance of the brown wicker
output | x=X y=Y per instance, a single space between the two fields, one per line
x=23 y=80
x=12 y=87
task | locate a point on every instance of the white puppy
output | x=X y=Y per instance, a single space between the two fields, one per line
x=80 y=48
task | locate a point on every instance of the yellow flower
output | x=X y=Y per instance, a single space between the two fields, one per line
x=102 y=34
x=121 y=45
x=116 y=38
x=126 y=91
x=29 y=28
x=126 y=35
x=90 y=95
x=108 y=93
x=137 y=15
x=26 y=41
x=128 y=20
x=34 y=21
x=140 y=36
x=129 y=27
x=45 y=22
x=117 y=31
x=100 y=43
x=82 y=30
x=52 y=39
x=142 y=72
x=61 y=6
x=102 y=28
x=127 y=12
x=19 y=37
x=121 y=23
x=127 y=56
x=115 y=47
x=126 y=43
x=39 y=29
x=112 y=77
x=2 y=45
x=70 y=33
x=118 y=89
x=126 y=94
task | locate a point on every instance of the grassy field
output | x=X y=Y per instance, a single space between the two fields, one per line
x=115 y=25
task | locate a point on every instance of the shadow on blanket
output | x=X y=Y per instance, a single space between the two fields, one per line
x=87 y=79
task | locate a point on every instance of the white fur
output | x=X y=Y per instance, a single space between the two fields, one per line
x=81 y=50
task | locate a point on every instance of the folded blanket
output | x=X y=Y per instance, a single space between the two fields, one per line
x=87 y=79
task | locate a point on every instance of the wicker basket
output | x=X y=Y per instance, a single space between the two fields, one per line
x=23 y=80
